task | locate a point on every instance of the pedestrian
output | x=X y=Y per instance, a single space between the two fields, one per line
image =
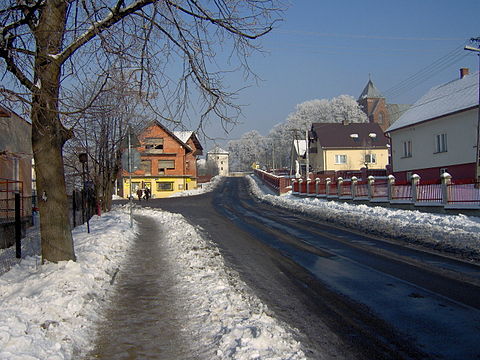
x=139 y=194
x=147 y=194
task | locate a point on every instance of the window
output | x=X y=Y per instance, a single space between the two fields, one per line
x=135 y=186
x=441 y=143
x=146 y=166
x=407 y=148
x=380 y=118
x=154 y=144
x=371 y=158
x=163 y=165
x=164 y=186
x=340 y=159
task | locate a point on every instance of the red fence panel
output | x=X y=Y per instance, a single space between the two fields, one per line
x=322 y=188
x=380 y=190
x=402 y=192
x=429 y=193
x=467 y=194
x=362 y=189
x=346 y=188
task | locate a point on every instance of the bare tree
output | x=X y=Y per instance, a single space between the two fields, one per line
x=50 y=47
x=100 y=132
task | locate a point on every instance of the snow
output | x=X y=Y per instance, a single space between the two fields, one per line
x=205 y=187
x=51 y=311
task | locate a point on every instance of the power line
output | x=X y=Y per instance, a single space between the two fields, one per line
x=427 y=72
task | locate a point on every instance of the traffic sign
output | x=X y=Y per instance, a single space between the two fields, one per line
x=134 y=162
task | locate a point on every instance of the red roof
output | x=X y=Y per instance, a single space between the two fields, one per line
x=353 y=135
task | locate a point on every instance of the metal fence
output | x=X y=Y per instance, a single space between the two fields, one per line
x=82 y=206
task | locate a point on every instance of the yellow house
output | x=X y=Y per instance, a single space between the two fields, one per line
x=347 y=146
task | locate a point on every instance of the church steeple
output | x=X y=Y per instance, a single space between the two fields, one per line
x=373 y=105
x=370 y=92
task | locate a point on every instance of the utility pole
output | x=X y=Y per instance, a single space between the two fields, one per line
x=477 y=152
x=307 y=155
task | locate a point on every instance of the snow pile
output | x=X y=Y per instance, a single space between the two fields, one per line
x=206 y=187
x=220 y=306
x=458 y=234
x=48 y=310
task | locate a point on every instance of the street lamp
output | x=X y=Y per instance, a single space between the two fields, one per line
x=477 y=161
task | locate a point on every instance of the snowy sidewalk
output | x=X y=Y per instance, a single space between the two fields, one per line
x=175 y=299
x=143 y=320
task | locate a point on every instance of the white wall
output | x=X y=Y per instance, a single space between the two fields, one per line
x=461 y=130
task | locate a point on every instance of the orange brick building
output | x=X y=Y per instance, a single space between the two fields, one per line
x=168 y=162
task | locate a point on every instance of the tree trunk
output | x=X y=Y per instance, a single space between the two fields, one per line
x=55 y=232
x=49 y=136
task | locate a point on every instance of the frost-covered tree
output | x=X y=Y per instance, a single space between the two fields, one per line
x=346 y=108
x=245 y=151
x=339 y=109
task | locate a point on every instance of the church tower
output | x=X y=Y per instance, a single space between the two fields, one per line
x=373 y=104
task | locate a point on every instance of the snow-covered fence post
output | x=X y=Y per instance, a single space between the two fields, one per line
x=354 y=186
x=317 y=182
x=390 y=185
x=328 y=182
x=300 y=182
x=415 y=182
x=339 y=186
x=446 y=181
x=371 y=184
x=308 y=186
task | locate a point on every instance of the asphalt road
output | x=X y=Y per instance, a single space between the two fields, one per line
x=351 y=296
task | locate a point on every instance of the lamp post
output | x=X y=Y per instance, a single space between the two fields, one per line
x=83 y=158
x=477 y=153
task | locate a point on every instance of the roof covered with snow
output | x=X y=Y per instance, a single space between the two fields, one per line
x=183 y=135
x=442 y=100
x=218 y=150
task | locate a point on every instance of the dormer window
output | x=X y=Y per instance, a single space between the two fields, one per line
x=354 y=137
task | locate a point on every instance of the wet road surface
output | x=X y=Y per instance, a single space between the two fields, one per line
x=350 y=295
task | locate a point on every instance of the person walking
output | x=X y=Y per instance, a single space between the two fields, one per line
x=139 y=194
x=147 y=194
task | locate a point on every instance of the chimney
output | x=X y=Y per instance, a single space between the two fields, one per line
x=463 y=72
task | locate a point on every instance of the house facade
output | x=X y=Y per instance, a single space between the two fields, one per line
x=168 y=162
x=347 y=146
x=439 y=133
x=15 y=160
x=217 y=161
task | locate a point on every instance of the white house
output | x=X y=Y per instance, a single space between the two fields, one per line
x=438 y=133
x=219 y=159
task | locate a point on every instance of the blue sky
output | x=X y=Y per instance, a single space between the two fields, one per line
x=323 y=49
